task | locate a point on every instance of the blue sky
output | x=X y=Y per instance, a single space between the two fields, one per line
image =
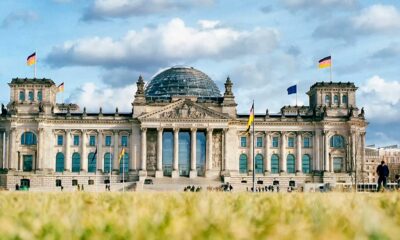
x=100 y=47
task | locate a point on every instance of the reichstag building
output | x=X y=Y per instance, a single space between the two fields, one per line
x=180 y=126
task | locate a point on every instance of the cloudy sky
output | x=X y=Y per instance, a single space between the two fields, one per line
x=100 y=47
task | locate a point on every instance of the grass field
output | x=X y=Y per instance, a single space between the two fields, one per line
x=199 y=216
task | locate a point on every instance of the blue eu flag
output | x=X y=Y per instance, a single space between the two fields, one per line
x=292 y=89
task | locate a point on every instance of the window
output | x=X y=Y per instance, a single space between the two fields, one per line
x=275 y=142
x=290 y=163
x=28 y=138
x=124 y=163
x=107 y=162
x=60 y=162
x=39 y=95
x=124 y=141
x=337 y=141
x=259 y=163
x=243 y=163
x=92 y=140
x=336 y=99
x=90 y=182
x=108 y=140
x=274 y=163
x=76 y=140
x=259 y=142
x=344 y=99
x=58 y=183
x=306 y=163
x=243 y=141
x=27 y=163
x=76 y=162
x=30 y=95
x=337 y=164
x=74 y=182
x=91 y=162
x=327 y=99
x=60 y=140
x=22 y=96
x=290 y=142
x=306 y=142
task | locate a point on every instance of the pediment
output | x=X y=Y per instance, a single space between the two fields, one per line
x=184 y=109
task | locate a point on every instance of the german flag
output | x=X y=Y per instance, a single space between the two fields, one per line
x=251 y=119
x=60 y=87
x=31 y=59
x=121 y=155
x=325 y=62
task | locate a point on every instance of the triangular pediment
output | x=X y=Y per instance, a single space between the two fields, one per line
x=184 y=109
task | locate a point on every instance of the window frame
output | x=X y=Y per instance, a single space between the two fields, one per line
x=76 y=140
x=243 y=141
x=92 y=140
x=273 y=142
x=291 y=142
x=122 y=140
x=308 y=145
x=106 y=142
x=21 y=96
x=60 y=138
x=31 y=96
x=259 y=142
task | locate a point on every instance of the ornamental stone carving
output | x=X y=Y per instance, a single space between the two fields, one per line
x=184 y=111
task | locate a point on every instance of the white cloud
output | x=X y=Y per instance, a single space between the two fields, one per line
x=207 y=24
x=23 y=17
x=312 y=4
x=92 y=96
x=378 y=18
x=170 y=43
x=102 y=9
x=381 y=99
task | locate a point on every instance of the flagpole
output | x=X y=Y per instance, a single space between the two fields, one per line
x=254 y=173
x=123 y=173
x=330 y=69
x=34 y=74
x=110 y=166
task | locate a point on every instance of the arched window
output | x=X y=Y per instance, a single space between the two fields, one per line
x=107 y=162
x=76 y=162
x=124 y=164
x=336 y=99
x=28 y=138
x=60 y=162
x=22 y=96
x=91 y=162
x=259 y=163
x=344 y=99
x=327 y=99
x=306 y=163
x=30 y=95
x=243 y=163
x=337 y=141
x=290 y=163
x=274 y=163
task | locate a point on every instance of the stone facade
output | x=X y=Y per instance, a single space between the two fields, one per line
x=43 y=141
x=374 y=156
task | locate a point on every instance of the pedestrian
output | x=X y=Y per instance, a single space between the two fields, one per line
x=62 y=188
x=17 y=187
x=397 y=178
x=383 y=172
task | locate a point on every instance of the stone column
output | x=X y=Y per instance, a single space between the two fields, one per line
x=100 y=154
x=353 y=151
x=116 y=152
x=209 y=149
x=159 y=172
x=143 y=146
x=175 y=171
x=226 y=147
x=40 y=150
x=283 y=152
x=8 y=154
x=84 y=158
x=267 y=161
x=132 y=152
x=193 y=149
x=316 y=150
x=326 y=151
x=68 y=162
x=362 y=154
x=298 y=157
x=250 y=150
x=3 y=147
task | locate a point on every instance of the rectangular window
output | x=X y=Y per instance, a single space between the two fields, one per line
x=243 y=141
x=76 y=140
x=60 y=140
x=39 y=95
x=22 y=96
x=306 y=142
x=58 y=182
x=275 y=142
x=92 y=140
x=124 y=141
x=30 y=96
x=259 y=142
x=108 y=140
x=291 y=142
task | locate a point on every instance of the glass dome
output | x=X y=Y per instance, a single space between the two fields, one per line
x=182 y=81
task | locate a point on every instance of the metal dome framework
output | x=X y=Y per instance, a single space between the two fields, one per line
x=182 y=81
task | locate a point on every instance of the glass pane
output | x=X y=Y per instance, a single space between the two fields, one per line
x=306 y=164
x=259 y=141
x=92 y=140
x=108 y=161
x=92 y=163
x=259 y=164
x=184 y=153
x=27 y=163
x=76 y=162
x=274 y=164
x=290 y=164
x=168 y=153
x=243 y=163
x=201 y=153
x=124 y=164
x=60 y=162
x=39 y=95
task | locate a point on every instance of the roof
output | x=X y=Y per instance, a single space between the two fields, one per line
x=333 y=84
x=36 y=81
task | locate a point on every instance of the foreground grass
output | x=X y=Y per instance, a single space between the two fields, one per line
x=199 y=216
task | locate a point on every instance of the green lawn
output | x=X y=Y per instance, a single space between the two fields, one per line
x=199 y=216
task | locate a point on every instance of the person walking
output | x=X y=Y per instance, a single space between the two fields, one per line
x=383 y=172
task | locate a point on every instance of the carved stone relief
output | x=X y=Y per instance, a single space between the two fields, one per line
x=184 y=111
x=217 y=150
x=151 y=150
